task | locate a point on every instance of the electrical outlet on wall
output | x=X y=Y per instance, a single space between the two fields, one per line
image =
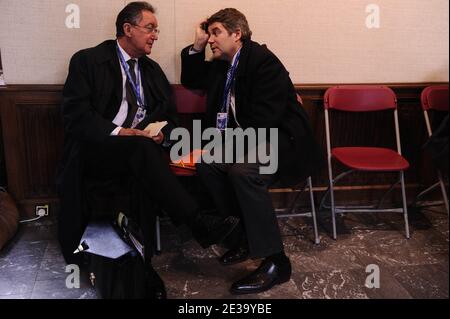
x=42 y=210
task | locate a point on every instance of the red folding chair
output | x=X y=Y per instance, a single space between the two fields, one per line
x=435 y=98
x=362 y=158
x=188 y=102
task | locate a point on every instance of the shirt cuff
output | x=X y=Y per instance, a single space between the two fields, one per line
x=193 y=51
x=115 y=132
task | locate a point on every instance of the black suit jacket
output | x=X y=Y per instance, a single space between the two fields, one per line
x=265 y=98
x=91 y=98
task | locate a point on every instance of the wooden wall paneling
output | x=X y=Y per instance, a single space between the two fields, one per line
x=33 y=137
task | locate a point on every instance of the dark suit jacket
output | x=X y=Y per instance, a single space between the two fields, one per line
x=265 y=98
x=91 y=98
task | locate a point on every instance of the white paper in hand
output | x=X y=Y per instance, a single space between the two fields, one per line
x=154 y=128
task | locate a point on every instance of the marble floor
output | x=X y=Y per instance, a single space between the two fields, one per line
x=31 y=265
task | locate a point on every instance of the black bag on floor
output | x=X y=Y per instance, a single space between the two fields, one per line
x=115 y=267
x=121 y=278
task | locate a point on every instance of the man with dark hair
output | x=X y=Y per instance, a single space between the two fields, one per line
x=132 y=14
x=112 y=92
x=248 y=87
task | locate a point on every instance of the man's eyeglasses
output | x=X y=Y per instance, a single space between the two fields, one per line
x=149 y=29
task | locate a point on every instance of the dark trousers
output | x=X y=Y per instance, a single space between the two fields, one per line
x=240 y=190
x=140 y=160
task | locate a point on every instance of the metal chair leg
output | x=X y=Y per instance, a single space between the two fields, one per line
x=324 y=197
x=313 y=212
x=405 y=206
x=333 y=212
x=443 y=190
x=158 y=235
x=380 y=202
x=292 y=212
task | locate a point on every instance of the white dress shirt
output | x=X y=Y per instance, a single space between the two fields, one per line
x=123 y=110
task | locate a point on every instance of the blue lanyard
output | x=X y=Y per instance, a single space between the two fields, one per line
x=229 y=84
x=135 y=86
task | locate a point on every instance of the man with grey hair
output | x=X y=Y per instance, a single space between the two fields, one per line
x=248 y=87
x=112 y=92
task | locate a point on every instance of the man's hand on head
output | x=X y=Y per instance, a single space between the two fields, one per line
x=201 y=37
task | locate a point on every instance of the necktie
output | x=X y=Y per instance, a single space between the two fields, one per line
x=131 y=96
x=231 y=119
x=227 y=84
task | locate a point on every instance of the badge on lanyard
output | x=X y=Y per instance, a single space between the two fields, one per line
x=141 y=111
x=140 y=115
x=222 y=121
x=222 y=116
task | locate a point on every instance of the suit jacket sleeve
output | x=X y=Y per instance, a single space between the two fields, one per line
x=82 y=120
x=194 y=70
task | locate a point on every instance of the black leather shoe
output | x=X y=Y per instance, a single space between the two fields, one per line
x=209 y=230
x=265 y=277
x=235 y=255
x=154 y=285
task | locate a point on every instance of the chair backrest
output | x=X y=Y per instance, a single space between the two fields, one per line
x=360 y=98
x=189 y=101
x=435 y=98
